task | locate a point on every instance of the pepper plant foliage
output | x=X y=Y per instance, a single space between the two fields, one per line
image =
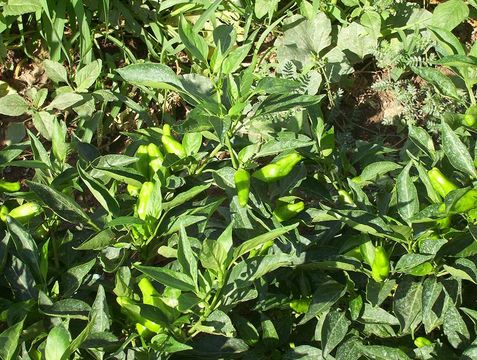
x=185 y=187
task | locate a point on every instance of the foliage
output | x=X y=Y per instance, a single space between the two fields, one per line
x=188 y=187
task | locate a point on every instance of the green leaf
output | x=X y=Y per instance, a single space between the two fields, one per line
x=20 y=279
x=99 y=191
x=99 y=315
x=408 y=201
x=438 y=79
x=20 y=7
x=74 y=277
x=75 y=344
x=55 y=71
x=9 y=340
x=455 y=327
x=13 y=105
x=194 y=43
x=25 y=246
x=57 y=342
x=186 y=256
x=251 y=244
x=154 y=75
x=408 y=305
x=65 y=100
x=376 y=169
x=168 y=277
x=98 y=241
x=449 y=14
x=456 y=151
x=379 y=352
x=67 y=308
x=62 y=205
x=335 y=328
x=184 y=197
x=88 y=75
x=323 y=299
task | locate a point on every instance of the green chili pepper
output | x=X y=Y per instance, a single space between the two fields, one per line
x=166 y=129
x=242 y=184
x=143 y=201
x=467 y=202
x=279 y=169
x=41 y=232
x=142 y=165
x=380 y=266
x=25 y=212
x=171 y=145
x=133 y=190
x=3 y=213
x=156 y=160
x=150 y=295
x=354 y=253
x=471 y=216
x=133 y=310
x=345 y=197
x=300 y=306
x=470 y=116
x=422 y=341
x=440 y=183
x=7 y=186
x=288 y=211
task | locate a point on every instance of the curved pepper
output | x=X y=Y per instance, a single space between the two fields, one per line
x=380 y=266
x=25 y=212
x=278 y=169
x=7 y=186
x=440 y=183
x=242 y=184
x=288 y=211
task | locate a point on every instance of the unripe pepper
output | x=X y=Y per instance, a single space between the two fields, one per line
x=467 y=202
x=142 y=165
x=150 y=296
x=156 y=160
x=242 y=184
x=380 y=266
x=345 y=197
x=166 y=129
x=3 y=213
x=288 y=211
x=143 y=201
x=7 y=186
x=422 y=341
x=279 y=169
x=440 y=183
x=25 y=212
x=171 y=145
x=470 y=117
x=133 y=190
x=132 y=310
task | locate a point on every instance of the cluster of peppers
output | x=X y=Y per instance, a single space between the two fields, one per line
x=151 y=165
x=22 y=213
x=271 y=173
x=132 y=310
